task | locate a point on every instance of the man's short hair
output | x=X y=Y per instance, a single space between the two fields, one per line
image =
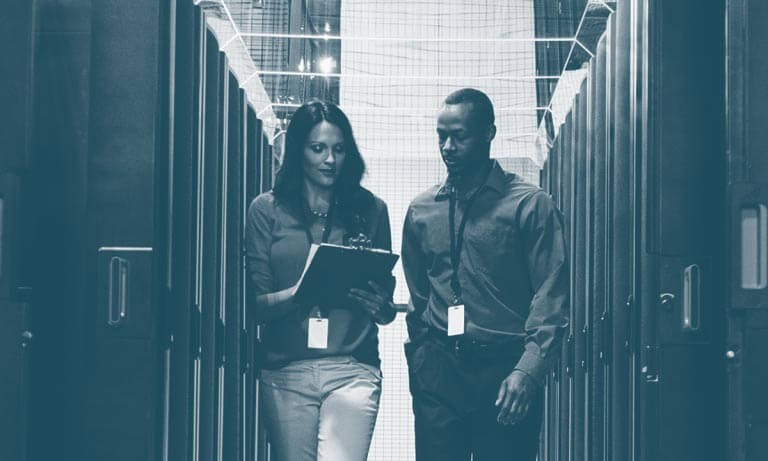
x=482 y=107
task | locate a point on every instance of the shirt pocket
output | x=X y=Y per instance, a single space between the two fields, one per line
x=490 y=245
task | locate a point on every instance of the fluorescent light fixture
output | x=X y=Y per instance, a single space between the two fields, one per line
x=326 y=64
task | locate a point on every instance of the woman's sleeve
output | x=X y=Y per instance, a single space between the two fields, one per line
x=258 y=244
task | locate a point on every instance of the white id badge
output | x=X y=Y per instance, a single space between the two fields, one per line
x=317 y=337
x=456 y=320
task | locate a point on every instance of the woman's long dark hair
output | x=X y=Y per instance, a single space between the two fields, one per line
x=351 y=199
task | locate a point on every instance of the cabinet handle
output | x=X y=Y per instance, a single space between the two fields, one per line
x=692 y=298
x=118 y=291
x=754 y=247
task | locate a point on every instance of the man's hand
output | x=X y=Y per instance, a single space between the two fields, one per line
x=515 y=396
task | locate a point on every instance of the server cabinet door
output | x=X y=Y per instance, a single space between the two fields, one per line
x=600 y=369
x=579 y=252
x=181 y=218
x=55 y=197
x=127 y=140
x=567 y=395
x=16 y=47
x=257 y=162
x=232 y=228
x=550 y=440
x=209 y=242
x=681 y=265
x=15 y=337
x=747 y=297
x=15 y=340
x=620 y=236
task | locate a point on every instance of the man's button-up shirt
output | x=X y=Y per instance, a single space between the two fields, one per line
x=513 y=267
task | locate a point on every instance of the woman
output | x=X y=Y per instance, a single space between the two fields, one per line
x=320 y=402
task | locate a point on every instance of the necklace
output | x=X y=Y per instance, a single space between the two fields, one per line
x=319 y=214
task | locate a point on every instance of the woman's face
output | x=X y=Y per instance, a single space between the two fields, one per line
x=324 y=154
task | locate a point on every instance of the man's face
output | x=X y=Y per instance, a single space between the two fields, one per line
x=463 y=143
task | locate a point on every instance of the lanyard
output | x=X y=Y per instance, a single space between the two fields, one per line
x=457 y=241
x=326 y=234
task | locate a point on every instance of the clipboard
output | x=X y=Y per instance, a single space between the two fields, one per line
x=332 y=270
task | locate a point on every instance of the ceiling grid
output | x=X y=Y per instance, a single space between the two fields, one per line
x=390 y=64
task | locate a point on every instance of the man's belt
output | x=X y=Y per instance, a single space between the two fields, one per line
x=464 y=346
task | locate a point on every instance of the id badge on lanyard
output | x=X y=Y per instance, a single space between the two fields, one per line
x=317 y=333
x=456 y=311
x=456 y=320
x=317 y=326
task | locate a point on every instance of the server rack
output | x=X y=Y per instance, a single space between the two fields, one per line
x=232 y=163
x=637 y=169
x=620 y=230
x=579 y=252
x=747 y=239
x=127 y=190
x=182 y=313
x=597 y=287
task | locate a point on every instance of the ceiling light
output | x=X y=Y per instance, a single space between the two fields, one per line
x=302 y=66
x=326 y=64
x=327 y=27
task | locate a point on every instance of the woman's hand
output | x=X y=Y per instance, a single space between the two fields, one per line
x=274 y=305
x=375 y=301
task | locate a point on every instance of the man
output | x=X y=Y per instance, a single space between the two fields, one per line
x=486 y=265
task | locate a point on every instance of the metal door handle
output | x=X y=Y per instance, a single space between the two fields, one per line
x=118 y=291
x=692 y=298
x=26 y=338
x=754 y=247
x=605 y=336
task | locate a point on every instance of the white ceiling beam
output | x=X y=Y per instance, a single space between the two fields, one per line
x=407 y=77
x=412 y=109
x=410 y=39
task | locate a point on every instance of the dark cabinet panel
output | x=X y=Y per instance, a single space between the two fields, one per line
x=682 y=203
x=233 y=263
x=209 y=246
x=17 y=24
x=181 y=221
x=127 y=144
x=747 y=215
x=16 y=341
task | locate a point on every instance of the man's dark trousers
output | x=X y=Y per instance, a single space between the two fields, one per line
x=454 y=390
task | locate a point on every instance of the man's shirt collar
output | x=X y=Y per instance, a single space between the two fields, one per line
x=496 y=181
